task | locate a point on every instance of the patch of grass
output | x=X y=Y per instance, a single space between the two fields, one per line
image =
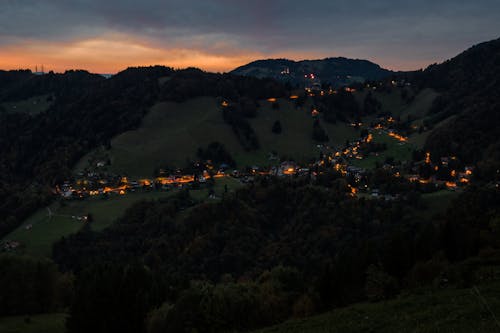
x=457 y=311
x=33 y=105
x=399 y=151
x=45 y=231
x=45 y=323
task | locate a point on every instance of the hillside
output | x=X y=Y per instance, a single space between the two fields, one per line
x=335 y=71
x=49 y=122
x=171 y=133
x=469 y=85
x=468 y=310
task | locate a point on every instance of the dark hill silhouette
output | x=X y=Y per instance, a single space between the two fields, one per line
x=470 y=91
x=336 y=71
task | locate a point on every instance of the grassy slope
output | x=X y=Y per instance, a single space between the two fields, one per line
x=38 y=241
x=295 y=140
x=172 y=132
x=454 y=311
x=46 y=323
x=400 y=151
x=33 y=105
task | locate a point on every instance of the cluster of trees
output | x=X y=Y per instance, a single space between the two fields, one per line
x=217 y=153
x=343 y=106
x=338 y=107
x=318 y=133
x=371 y=105
x=244 y=132
x=276 y=128
x=31 y=286
x=192 y=82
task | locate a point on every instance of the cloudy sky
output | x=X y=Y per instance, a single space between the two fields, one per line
x=106 y=36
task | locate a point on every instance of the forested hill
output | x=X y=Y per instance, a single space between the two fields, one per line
x=336 y=71
x=470 y=92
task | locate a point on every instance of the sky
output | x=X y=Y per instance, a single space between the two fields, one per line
x=106 y=36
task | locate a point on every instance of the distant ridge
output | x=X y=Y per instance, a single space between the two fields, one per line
x=335 y=71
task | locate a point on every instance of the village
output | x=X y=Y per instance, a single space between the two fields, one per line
x=339 y=159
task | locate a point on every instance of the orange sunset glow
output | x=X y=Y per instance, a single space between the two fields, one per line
x=106 y=55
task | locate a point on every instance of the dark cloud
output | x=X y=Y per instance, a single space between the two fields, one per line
x=385 y=30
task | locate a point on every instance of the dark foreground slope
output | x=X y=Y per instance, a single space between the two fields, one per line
x=469 y=310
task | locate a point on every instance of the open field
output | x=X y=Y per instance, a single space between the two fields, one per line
x=44 y=231
x=45 y=323
x=453 y=311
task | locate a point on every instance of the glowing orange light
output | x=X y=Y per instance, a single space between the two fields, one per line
x=398 y=137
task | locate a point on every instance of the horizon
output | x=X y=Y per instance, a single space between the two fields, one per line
x=221 y=35
x=47 y=70
x=37 y=68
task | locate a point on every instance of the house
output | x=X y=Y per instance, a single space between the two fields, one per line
x=287 y=168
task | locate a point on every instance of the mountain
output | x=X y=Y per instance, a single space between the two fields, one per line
x=336 y=71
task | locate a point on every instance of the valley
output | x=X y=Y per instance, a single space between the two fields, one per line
x=307 y=196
